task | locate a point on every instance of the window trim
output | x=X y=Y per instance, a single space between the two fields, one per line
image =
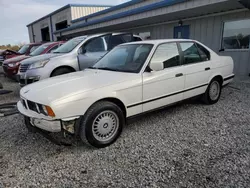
x=197 y=46
x=222 y=32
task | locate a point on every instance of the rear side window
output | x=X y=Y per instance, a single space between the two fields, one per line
x=33 y=48
x=53 y=48
x=204 y=53
x=168 y=54
x=115 y=41
x=190 y=53
x=137 y=39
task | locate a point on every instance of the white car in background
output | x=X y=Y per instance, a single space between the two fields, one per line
x=75 y=55
x=133 y=78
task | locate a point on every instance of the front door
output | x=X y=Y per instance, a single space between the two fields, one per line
x=197 y=68
x=164 y=87
x=92 y=51
x=181 y=32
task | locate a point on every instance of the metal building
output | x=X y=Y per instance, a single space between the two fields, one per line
x=43 y=28
x=223 y=25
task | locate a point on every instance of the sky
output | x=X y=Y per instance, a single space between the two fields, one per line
x=16 y=14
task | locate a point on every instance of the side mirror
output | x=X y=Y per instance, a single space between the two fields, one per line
x=81 y=51
x=221 y=50
x=156 y=66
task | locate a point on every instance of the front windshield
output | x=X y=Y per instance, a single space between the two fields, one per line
x=70 y=45
x=40 y=49
x=24 y=49
x=125 y=58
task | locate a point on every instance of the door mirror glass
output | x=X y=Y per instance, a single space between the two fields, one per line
x=156 y=66
x=81 y=51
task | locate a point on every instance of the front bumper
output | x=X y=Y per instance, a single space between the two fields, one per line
x=10 y=71
x=32 y=75
x=23 y=80
x=37 y=121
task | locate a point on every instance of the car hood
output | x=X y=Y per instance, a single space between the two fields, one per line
x=16 y=59
x=2 y=52
x=61 y=87
x=39 y=58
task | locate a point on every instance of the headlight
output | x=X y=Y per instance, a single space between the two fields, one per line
x=46 y=110
x=13 y=64
x=38 y=64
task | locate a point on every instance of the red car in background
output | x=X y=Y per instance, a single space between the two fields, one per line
x=25 y=50
x=10 y=66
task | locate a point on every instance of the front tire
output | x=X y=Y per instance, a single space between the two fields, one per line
x=102 y=124
x=213 y=92
x=28 y=125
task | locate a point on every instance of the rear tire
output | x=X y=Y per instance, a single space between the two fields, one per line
x=61 y=71
x=213 y=92
x=102 y=124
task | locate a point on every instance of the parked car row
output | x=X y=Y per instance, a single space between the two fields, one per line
x=11 y=66
x=25 y=50
x=77 y=54
x=131 y=79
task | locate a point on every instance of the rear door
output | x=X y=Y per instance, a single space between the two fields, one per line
x=92 y=51
x=196 y=62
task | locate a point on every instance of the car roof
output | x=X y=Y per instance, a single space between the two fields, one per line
x=159 y=41
x=101 y=34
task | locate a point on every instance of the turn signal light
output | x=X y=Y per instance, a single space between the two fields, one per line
x=50 y=111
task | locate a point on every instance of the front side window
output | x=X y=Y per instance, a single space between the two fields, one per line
x=190 y=53
x=168 y=54
x=236 y=34
x=125 y=58
x=70 y=45
x=95 y=45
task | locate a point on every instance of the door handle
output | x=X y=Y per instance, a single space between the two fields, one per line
x=208 y=68
x=179 y=75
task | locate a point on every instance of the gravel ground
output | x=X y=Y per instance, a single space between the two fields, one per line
x=189 y=145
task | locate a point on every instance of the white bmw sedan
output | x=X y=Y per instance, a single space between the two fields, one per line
x=132 y=79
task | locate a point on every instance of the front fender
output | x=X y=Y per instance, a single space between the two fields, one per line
x=77 y=105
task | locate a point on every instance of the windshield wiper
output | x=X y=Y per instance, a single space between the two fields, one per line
x=58 y=52
x=92 y=68
x=109 y=69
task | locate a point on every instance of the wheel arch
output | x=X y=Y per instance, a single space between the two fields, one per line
x=217 y=76
x=116 y=101
x=64 y=66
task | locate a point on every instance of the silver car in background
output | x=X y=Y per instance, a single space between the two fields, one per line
x=76 y=54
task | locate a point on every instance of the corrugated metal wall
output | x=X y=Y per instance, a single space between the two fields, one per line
x=147 y=2
x=37 y=28
x=78 y=12
x=59 y=17
x=161 y=11
x=207 y=30
x=30 y=34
